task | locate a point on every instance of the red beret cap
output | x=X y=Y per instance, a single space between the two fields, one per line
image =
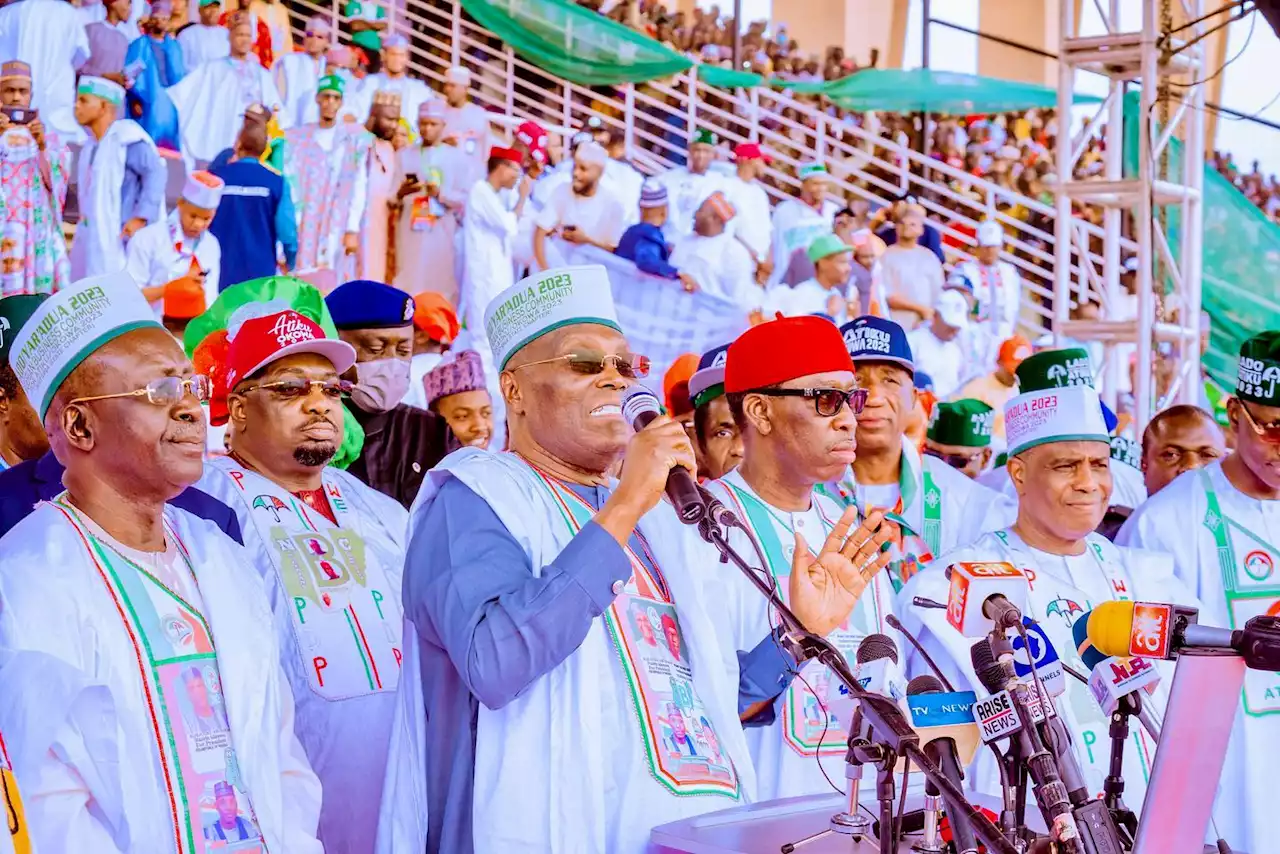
x=782 y=350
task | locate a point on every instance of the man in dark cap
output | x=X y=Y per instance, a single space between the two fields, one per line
x=960 y=435
x=22 y=436
x=717 y=438
x=401 y=442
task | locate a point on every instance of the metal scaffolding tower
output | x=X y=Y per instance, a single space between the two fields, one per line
x=1164 y=65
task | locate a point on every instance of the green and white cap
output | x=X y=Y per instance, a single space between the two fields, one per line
x=1072 y=413
x=544 y=302
x=1258 y=374
x=1127 y=451
x=1055 y=369
x=962 y=423
x=101 y=87
x=69 y=326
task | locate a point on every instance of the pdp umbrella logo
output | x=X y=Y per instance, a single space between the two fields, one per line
x=271 y=504
x=1258 y=565
x=1064 y=608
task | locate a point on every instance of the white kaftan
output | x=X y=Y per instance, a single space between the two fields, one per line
x=997 y=291
x=201 y=44
x=721 y=266
x=1222 y=545
x=686 y=191
x=144 y=689
x=98 y=247
x=796 y=225
x=298 y=79
x=324 y=580
x=211 y=101
x=49 y=36
x=787 y=752
x=1062 y=589
x=808 y=297
x=752 y=216
x=469 y=126
x=161 y=252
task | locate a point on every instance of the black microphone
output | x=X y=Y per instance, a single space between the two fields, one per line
x=942 y=750
x=900 y=629
x=639 y=407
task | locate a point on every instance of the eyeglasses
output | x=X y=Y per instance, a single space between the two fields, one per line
x=956 y=461
x=165 y=391
x=628 y=365
x=1269 y=433
x=827 y=402
x=292 y=389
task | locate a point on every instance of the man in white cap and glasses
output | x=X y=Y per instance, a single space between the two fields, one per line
x=798 y=221
x=431 y=195
x=466 y=123
x=181 y=246
x=298 y=74
x=537 y=587
x=120 y=181
x=329 y=549
x=997 y=287
x=580 y=211
x=394 y=77
x=146 y=612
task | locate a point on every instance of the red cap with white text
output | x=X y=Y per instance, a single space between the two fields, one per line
x=262 y=340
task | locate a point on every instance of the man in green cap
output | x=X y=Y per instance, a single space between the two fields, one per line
x=798 y=221
x=688 y=186
x=960 y=435
x=22 y=436
x=1220 y=523
x=826 y=292
x=1059 y=464
x=326 y=167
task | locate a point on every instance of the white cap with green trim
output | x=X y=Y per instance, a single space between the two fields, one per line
x=543 y=302
x=1067 y=414
x=69 y=326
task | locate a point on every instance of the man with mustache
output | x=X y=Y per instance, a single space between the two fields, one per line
x=790 y=387
x=328 y=548
x=1060 y=467
x=110 y=596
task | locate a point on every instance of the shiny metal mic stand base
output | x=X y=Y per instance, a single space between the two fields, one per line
x=851 y=822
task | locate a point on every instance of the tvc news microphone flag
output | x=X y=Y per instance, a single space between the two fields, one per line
x=660 y=320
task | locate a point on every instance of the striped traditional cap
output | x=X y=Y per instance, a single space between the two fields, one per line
x=15 y=69
x=653 y=195
x=395 y=41
x=101 y=87
x=463 y=373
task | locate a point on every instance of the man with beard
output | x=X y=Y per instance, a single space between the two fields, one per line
x=401 y=442
x=132 y=596
x=328 y=548
x=1220 y=524
x=580 y=211
x=457 y=391
x=717 y=438
x=374 y=237
x=431 y=195
x=790 y=387
x=688 y=186
x=298 y=74
x=1060 y=465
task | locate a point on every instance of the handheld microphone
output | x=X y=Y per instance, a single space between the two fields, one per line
x=945 y=721
x=639 y=407
x=985 y=597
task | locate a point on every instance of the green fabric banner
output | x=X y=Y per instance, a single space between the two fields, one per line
x=575 y=43
x=928 y=91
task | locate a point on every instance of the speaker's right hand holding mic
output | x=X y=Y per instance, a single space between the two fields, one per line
x=824 y=588
x=652 y=453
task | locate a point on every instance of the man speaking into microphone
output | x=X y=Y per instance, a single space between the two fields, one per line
x=791 y=391
x=1059 y=463
x=544 y=715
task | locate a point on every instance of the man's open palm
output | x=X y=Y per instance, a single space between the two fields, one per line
x=824 y=589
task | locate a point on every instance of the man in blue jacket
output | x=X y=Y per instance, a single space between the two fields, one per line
x=644 y=243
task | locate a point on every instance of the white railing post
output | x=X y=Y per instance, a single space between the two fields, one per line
x=692 y=105
x=629 y=119
x=511 y=80
x=755 y=113
x=820 y=144
x=336 y=14
x=455 y=42
x=568 y=110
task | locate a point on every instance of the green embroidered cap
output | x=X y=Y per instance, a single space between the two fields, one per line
x=1258 y=374
x=1127 y=451
x=961 y=423
x=702 y=136
x=1055 y=369
x=825 y=246
x=14 y=312
x=332 y=83
x=811 y=170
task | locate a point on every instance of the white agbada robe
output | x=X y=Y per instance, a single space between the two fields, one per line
x=49 y=36
x=83 y=733
x=599 y=216
x=488 y=237
x=795 y=226
x=721 y=266
x=469 y=124
x=98 y=247
x=1062 y=589
x=997 y=291
x=297 y=78
x=1225 y=554
x=808 y=297
x=686 y=191
x=161 y=252
x=575 y=731
x=343 y=709
x=752 y=217
x=211 y=101
x=412 y=91
x=787 y=752
x=943 y=508
x=950 y=364
x=629 y=182
x=201 y=44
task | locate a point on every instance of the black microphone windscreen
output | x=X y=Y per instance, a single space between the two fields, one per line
x=926 y=684
x=877 y=646
x=987 y=668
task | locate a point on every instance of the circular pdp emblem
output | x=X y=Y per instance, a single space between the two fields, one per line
x=1259 y=565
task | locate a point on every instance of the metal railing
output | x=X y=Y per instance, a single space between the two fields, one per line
x=657 y=119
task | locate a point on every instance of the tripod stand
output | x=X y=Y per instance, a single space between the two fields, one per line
x=851 y=822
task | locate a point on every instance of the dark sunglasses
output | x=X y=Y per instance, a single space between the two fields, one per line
x=593 y=362
x=956 y=461
x=826 y=401
x=293 y=389
x=1269 y=433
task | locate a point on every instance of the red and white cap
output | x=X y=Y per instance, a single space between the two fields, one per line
x=262 y=340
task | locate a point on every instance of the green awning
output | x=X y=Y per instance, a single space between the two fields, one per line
x=924 y=90
x=576 y=43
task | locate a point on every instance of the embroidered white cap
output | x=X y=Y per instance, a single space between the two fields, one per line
x=1067 y=414
x=69 y=326
x=203 y=189
x=459 y=75
x=591 y=154
x=990 y=234
x=543 y=302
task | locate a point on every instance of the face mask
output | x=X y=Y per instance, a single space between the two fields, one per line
x=381 y=384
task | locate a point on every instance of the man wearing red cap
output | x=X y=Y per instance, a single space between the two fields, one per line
x=753 y=224
x=328 y=548
x=790 y=386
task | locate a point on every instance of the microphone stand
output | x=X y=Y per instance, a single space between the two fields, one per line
x=888 y=724
x=1113 y=785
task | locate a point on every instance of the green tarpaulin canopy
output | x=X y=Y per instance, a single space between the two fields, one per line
x=927 y=91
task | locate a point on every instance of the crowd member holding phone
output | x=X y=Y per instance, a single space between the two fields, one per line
x=180 y=246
